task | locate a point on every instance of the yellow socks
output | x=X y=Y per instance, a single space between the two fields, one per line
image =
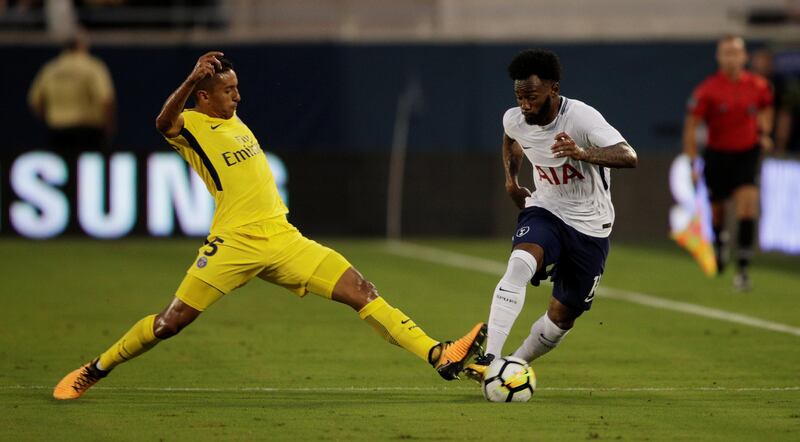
x=392 y=324
x=397 y=328
x=136 y=341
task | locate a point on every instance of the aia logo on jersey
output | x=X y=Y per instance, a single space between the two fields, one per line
x=554 y=177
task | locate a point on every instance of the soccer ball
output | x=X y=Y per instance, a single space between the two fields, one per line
x=509 y=379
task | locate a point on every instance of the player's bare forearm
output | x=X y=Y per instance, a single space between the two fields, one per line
x=619 y=155
x=512 y=162
x=169 y=121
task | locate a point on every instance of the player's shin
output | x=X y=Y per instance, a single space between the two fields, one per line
x=397 y=328
x=139 y=339
x=545 y=336
x=508 y=299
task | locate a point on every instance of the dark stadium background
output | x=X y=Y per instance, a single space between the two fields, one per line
x=328 y=110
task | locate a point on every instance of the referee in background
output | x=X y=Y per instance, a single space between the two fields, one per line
x=736 y=107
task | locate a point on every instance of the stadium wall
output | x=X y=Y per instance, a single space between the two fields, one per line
x=328 y=111
x=343 y=97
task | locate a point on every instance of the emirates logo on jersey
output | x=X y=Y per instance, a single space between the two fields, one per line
x=555 y=177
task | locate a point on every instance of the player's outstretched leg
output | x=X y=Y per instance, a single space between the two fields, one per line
x=397 y=328
x=136 y=341
x=448 y=358
x=143 y=336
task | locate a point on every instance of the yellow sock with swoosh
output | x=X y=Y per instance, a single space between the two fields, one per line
x=397 y=328
x=136 y=341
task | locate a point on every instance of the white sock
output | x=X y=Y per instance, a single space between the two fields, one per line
x=545 y=336
x=508 y=298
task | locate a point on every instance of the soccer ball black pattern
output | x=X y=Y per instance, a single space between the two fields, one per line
x=509 y=379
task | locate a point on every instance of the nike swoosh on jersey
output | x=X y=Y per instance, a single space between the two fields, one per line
x=214 y=127
x=507 y=291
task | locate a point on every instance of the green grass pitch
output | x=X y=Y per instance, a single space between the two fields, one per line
x=263 y=364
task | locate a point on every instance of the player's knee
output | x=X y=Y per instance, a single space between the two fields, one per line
x=354 y=290
x=164 y=328
x=564 y=324
x=365 y=291
x=522 y=266
x=561 y=315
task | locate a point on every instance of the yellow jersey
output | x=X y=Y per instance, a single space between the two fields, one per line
x=227 y=156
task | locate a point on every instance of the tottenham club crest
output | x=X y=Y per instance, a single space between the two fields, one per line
x=523 y=231
x=202 y=262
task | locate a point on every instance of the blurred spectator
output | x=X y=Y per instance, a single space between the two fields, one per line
x=762 y=62
x=21 y=14
x=770 y=15
x=787 y=120
x=786 y=89
x=74 y=95
x=19 y=6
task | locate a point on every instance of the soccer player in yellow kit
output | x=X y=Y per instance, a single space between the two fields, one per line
x=250 y=237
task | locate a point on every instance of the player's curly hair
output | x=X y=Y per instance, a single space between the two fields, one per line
x=540 y=62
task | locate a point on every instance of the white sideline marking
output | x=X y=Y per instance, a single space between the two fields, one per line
x=401 y=389
x=452 y=259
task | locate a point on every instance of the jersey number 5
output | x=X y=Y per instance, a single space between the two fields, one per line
x=213 y=246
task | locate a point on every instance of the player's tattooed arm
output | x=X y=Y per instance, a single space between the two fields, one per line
x=618 y=155
x=170 y=121
x=512 y=162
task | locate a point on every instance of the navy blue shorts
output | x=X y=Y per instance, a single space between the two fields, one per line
x=572 y=260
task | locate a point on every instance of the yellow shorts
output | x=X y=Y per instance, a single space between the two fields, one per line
x=274 y=251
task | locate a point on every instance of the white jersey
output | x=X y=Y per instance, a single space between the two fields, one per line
x=577 y=192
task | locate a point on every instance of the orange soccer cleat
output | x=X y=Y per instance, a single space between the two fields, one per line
x=455 y=354
x=73 y=385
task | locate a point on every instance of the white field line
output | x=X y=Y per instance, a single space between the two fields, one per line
x=452 y=259
x=405 y=389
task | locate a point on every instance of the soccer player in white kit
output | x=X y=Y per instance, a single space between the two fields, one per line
x=563 y=228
